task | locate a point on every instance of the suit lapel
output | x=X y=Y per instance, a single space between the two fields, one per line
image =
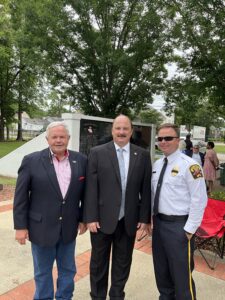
x=50 y=170
x=113 y=156
x=74 y=171
x=133 y=158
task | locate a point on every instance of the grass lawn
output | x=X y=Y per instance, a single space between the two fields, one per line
x=7 y=180
x=7 y=147
x=220 y=149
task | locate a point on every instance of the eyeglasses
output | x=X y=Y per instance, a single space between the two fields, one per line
x=166 y=138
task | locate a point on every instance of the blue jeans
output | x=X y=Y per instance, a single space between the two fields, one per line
x=43 y=259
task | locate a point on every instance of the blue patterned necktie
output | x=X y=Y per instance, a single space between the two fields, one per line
x=158 y=189
x=123 y=180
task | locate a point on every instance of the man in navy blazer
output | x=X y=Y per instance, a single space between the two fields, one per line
x=117 y=204
x=48 y=209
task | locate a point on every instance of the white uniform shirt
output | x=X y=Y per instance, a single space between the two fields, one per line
x=183 y=190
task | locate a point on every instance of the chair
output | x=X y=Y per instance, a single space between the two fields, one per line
x=211 y=233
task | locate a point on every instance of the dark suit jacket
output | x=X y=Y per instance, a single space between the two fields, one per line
x=39 y=205
x=103 y=188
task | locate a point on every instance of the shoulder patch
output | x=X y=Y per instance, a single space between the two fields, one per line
x=196 y=171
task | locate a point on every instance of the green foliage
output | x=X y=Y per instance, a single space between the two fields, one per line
x=110 y=55
x=150 y=116
x=104 y=57
x=198 y=31
x=220 y=149
x=18 y=64
x=218 y=195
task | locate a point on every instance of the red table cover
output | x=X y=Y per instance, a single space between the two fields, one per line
x=213 y=222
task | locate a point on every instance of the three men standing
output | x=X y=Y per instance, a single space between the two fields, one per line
x=117 y=203
x=49 y=203
x=48 y=208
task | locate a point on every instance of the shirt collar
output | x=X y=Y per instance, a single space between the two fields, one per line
x=53 y=155
x=172 y=156
x=126 y=147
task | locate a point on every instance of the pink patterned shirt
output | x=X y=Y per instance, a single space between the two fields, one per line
x=63 y=172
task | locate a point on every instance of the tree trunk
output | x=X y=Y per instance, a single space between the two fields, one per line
x=7 y=133
x=2 y=133
x=19 y=128
x=19 y=132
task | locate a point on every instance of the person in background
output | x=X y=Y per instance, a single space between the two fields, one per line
x=210 y=166
x=117 y=204
x=179 y=193
x=197 y=155
x=189 y=145
x=182 y=146
x=48 y=211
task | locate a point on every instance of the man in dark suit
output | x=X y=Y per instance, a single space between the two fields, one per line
x=48 y=211
x=117 y=203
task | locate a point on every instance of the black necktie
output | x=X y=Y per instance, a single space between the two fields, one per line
x=159 y=184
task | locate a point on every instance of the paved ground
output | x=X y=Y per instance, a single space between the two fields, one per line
x=16 y=270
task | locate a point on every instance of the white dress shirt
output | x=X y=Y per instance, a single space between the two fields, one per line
x=126 y=156
x=197 y=157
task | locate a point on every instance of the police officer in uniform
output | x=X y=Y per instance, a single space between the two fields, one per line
x=179 y=193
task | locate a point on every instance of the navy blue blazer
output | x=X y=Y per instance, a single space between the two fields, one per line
x=39 y=205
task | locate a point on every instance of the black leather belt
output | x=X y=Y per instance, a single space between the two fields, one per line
x=172 y=218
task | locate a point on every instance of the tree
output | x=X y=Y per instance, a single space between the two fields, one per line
x=56 y=104
x=198 y=30
x=151 y=116
x=27 y=56
x=8 y=68
x=184 y=99
x=19 y=72
x=110 y=54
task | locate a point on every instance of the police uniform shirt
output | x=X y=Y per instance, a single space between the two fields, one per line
x=183 y=190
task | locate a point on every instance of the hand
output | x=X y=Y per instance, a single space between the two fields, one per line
x=149 y=229
x=144 y=227
x=21 y=236
x=93 y=227
x=82 y=228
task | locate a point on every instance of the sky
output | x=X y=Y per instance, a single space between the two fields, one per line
x=158 y=102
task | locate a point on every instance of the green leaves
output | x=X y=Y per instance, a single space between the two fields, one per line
x=109 y=52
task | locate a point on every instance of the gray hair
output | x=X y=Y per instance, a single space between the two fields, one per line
x=57 y=124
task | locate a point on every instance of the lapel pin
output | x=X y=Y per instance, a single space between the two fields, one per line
x=74 y=161
x=135 y=153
